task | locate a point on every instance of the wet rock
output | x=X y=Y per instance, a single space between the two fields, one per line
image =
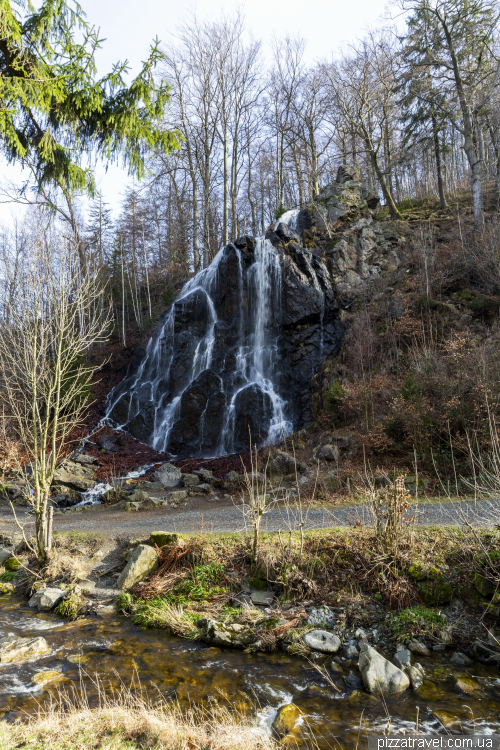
x=460 y=660
x=428 y=691
x=335 y=668
x=463 y=683
x=323 y=641
x=168 y=475
x=327 y=453
x=321 y=616
x=379 y=675
x=49 y=676
x=485 y=654
x=352 y=681
x=416 y=673
x=285 y=721
x=403 y=658
x=4 y=555
x=22 y=649
x=283 y=463
x=142 y=561
x=416 y=647
x=74 y=475
x=164 y=538
x=231 y=636
x=46 y=599
x=446 y=720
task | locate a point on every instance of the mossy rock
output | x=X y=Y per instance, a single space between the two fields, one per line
x=463 y=683
x=12 y=564
x=163 y=538
x=257 y=583
x=285 y=720
x=483 y=585
x=428 y=691
x=471 y=596
x=435 y=592
x=6 y=588
x=417 y=572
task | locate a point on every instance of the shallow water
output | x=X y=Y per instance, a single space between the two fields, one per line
x=120 y=653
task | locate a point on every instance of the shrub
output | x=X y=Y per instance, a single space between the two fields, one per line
x=333 y=397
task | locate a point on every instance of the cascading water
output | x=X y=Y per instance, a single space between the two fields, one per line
x=214 y=362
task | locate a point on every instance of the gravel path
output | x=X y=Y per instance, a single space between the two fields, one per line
x=229 y=517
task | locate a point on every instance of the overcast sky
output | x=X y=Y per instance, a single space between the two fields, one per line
x=129 y=26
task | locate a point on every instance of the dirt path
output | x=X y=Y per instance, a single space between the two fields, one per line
x=229 y=517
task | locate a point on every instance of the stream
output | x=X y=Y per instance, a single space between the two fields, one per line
x=122 y=654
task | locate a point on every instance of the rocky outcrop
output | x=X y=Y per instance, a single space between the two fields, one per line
x=75 y=475
x=235 y=354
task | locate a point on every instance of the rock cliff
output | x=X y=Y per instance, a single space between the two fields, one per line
x=235 y=354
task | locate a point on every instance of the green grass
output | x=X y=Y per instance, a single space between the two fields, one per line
x=415 y=622
x=8 y=575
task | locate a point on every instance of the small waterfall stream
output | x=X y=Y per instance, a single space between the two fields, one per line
x=196 y=369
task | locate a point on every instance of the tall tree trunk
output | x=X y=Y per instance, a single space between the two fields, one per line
x=439 y=168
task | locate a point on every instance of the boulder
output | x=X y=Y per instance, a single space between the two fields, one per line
x=322 y=640
x=74 y=475
x=46 y=599
x=285 y=721
x=164 y=538
x=379 y=675
x=168 y=475
x=175 y=496
x=201 y=489
x=416 y=647
x=262 y=598
x=327 y=453
x=189 y=480
x=283 y=463
x=142 y=561
x=416 y=673
x=22 y=649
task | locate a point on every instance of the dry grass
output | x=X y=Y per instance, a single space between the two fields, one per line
x=130 y=721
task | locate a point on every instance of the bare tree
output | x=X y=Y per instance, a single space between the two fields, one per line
x=44 y=377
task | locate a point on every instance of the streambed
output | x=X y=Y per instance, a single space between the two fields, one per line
x=120 y=653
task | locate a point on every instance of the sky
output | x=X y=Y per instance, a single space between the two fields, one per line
x=129 y=26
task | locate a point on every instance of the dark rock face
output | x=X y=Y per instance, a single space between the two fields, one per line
x=235 y=354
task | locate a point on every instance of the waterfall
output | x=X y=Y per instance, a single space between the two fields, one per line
x=222 y=366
